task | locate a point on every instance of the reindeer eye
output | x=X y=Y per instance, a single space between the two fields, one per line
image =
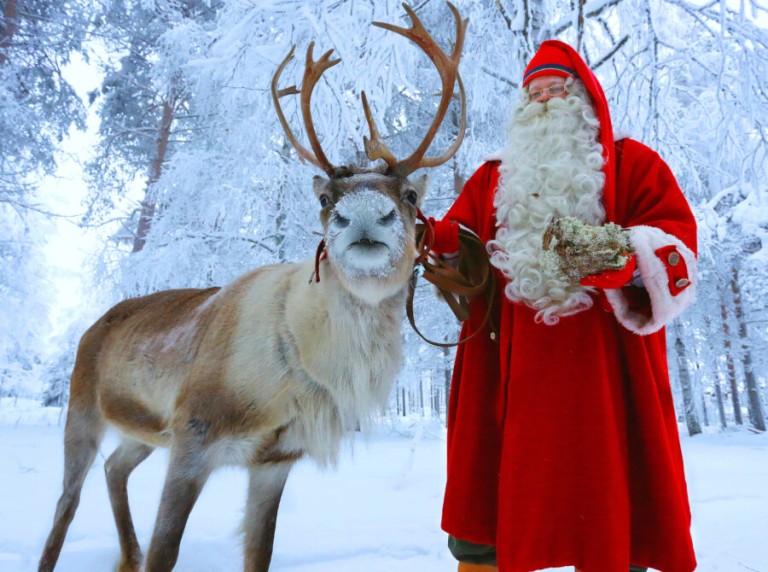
x=324 y=200
x=411 y=197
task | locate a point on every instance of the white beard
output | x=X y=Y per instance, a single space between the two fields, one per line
x=550 y=168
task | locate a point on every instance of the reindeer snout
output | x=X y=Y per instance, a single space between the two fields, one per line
x=364 y=212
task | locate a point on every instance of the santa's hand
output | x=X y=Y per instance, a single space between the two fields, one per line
x=446 y=236
x=611 y=279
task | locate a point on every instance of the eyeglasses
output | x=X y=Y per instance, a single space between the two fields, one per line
x=552 y=91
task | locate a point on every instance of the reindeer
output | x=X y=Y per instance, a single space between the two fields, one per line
x=270 y=368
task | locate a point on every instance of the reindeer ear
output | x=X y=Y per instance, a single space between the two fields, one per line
x=320 y=185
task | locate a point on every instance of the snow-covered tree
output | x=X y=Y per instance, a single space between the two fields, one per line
x=188 y=112
x=144 y=100
x=37 y=109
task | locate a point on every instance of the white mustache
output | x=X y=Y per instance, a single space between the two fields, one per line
x=548 y=108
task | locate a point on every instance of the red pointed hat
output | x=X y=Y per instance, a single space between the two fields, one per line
x=558 y=58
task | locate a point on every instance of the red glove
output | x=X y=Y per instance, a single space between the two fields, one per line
x=446 y=236
x=611 y=279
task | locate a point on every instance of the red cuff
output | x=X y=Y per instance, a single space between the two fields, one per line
x=677 y=269
x=612 y=279
x=446 y=236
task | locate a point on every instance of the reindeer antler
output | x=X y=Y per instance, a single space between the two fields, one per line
x=375 y=147
x=313 y=70
x=448 y=68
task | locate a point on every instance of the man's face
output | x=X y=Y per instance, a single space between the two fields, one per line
x=543 y=88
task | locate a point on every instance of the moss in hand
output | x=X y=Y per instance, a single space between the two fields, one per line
x=576 y=249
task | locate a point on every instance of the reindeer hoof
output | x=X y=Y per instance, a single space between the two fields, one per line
x=130 y=564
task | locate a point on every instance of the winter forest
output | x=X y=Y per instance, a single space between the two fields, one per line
x=190 y=181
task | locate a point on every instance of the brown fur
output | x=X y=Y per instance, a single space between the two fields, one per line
x=269 y=368
x=259 y=373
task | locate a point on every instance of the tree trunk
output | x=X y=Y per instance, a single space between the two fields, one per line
x=704 y=410
x=447 y=373
x=653 y=90
x=720 y=404
x=754 y=399
x=691 y=421
x=533 y=22
x=148 y=205
x=714 y=365
x=579 y=24
x=435 y=399
x=10 y=16
x=699 y=377
x=730 y=366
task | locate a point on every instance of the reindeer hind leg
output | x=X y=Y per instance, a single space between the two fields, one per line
x=82 y=436
x=117 y=469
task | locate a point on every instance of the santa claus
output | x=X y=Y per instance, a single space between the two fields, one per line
x=563 y=445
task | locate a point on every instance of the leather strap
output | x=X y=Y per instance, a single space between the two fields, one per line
x=460 y=284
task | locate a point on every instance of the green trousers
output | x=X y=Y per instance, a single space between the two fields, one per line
x=473 y=553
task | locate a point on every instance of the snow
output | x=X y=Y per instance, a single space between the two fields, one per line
x=379 y=511
x=361 y=215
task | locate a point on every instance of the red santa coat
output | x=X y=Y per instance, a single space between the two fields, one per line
x=563 y=445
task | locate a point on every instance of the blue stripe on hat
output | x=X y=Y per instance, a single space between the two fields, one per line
x=548 y=67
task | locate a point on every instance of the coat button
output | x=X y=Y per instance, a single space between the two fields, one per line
x=681 y=283
x=493 y=336
x=673 y=259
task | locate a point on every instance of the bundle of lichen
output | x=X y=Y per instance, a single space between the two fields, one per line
x=578 y=249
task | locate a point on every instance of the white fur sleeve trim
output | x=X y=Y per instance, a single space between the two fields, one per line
x=655 y=274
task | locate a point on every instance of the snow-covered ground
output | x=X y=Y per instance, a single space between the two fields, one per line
x=378 y=512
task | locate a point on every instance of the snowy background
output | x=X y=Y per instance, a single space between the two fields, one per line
x=140 y=151
x=378 y=512
x=101 y=198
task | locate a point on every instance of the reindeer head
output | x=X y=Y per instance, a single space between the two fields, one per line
x=369 y=221
x=369 y=214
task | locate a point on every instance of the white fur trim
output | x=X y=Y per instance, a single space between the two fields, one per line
x=497 y=155
x=665 y=306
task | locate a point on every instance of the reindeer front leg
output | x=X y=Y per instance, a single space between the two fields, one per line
x=188 y=470
x=265 y=488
